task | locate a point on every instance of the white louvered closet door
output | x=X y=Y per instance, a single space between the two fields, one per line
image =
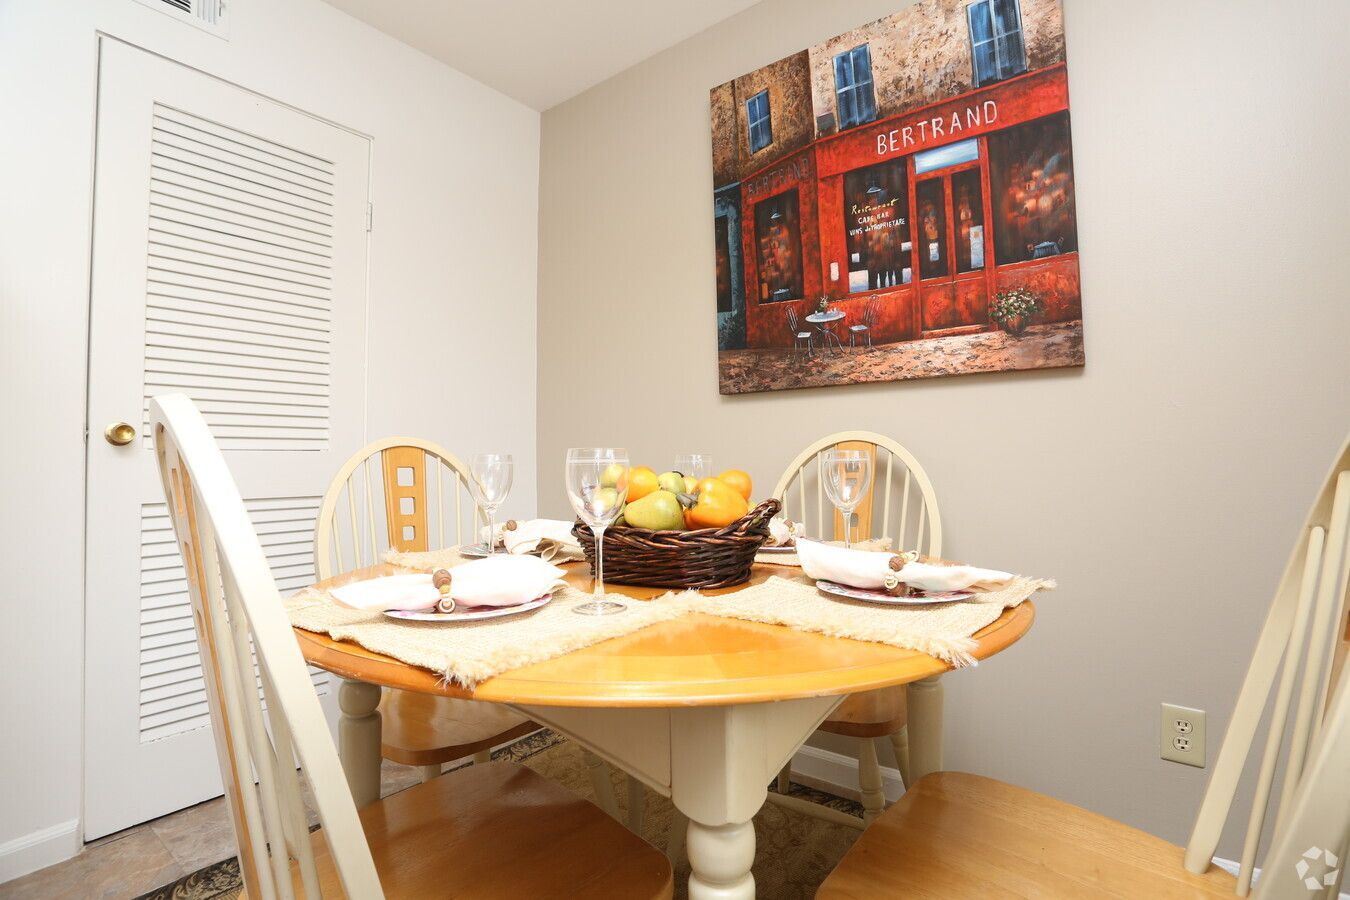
x=229 y=263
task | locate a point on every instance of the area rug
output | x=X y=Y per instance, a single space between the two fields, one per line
x=793 y=852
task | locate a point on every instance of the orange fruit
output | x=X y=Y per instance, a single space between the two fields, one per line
x=641 y=482
x=718 y=504
x=740 y=481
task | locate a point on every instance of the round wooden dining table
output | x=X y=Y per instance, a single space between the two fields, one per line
x=702 y=709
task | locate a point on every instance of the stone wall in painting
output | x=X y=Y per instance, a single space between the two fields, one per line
x=922 y=54
x=788 y=82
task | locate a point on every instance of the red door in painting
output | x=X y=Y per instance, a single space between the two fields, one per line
x=949 y=212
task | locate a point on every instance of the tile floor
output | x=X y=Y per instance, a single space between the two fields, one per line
x=142 y=858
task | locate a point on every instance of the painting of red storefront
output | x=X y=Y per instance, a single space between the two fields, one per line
x=941 y=239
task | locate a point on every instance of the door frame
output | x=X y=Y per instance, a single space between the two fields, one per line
x=92 y=429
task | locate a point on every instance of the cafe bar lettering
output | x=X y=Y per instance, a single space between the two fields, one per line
x=905 y=185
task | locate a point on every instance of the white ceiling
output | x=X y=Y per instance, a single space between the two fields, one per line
x=541 y=52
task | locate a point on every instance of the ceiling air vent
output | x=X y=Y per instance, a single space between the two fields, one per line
x=208 y=15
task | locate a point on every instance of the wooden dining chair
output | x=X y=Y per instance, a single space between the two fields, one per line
x=959 y=835
x=398 y=493
x=901 y=505
x=493 y=831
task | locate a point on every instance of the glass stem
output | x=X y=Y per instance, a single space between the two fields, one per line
x=598 y=588
x=848 y=529
x=492 y=530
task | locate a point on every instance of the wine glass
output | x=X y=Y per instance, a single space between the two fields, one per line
x=597 y=485
x=848 y=476
x=492 y=476
x=697 y=465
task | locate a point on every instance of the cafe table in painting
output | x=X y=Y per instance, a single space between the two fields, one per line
x=702 y=709
x=824 y=322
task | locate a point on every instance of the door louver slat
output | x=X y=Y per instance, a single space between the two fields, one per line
x=239 y=281
x=172 y=693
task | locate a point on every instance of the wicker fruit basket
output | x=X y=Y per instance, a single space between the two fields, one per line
x=702 y=558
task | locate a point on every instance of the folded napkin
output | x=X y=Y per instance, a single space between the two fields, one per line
x=874 y=570
x=783 y=532
x=855 y=568
x=548 y=539
x=405 y=592
x=500 y=580
x=928 y=577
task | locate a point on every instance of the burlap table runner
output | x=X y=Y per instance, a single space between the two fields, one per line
x=427 y=560
x=941 y=630
x=470 y=652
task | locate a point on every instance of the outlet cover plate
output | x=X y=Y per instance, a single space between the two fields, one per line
x=1181 y=735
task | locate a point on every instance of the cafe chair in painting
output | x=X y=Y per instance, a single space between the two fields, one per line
x=959 y=835
x=902 y=506
x=497 y=830
x=798 y=335
x=399 y=493
x=863 y=330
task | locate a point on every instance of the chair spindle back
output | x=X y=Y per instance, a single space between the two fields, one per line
x=901 y=503
x=1303 y=641
x=382 y=498
x=264 y=712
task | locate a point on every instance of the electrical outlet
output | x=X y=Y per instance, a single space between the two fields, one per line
x=1182 y=735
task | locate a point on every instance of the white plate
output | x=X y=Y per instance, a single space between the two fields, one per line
x=776 y=549
x=879 y=596
x=469 y=615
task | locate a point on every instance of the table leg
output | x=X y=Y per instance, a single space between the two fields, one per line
x=720 y=857
x=359 y=739
x=925 y=727
x=721 y=761
x=714 y=762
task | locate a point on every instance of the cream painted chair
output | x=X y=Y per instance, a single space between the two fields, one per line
x=958 y=835
x=384 y=496
x=492 y=831
x=902 y=506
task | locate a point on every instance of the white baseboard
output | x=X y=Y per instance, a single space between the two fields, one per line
x=838 y=774
x=39 y=849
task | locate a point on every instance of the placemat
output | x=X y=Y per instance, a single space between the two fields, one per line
x=469 y=652
x=941 y=630
x=427 y=560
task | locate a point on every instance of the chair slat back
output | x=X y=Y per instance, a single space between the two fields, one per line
x=265 y=715
x=1300 y=644
x=396 y=493
x=901 y=503
x=1319 y=811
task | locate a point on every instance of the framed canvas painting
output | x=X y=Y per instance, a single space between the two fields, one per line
x=898 y=202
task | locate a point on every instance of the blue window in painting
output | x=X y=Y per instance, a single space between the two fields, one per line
x=757 y=114
x=996 y=47
x=853 y=87
x=949 y=155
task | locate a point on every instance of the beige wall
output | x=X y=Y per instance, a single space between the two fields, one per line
x=1160 y=485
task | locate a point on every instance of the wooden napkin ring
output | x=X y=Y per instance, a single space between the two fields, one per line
x=892 y=583
x=440 y=579
x=510 y=525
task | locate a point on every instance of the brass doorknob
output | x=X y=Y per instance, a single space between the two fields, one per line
x=119 y=434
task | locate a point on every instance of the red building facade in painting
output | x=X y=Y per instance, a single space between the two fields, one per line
x=939 y=173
